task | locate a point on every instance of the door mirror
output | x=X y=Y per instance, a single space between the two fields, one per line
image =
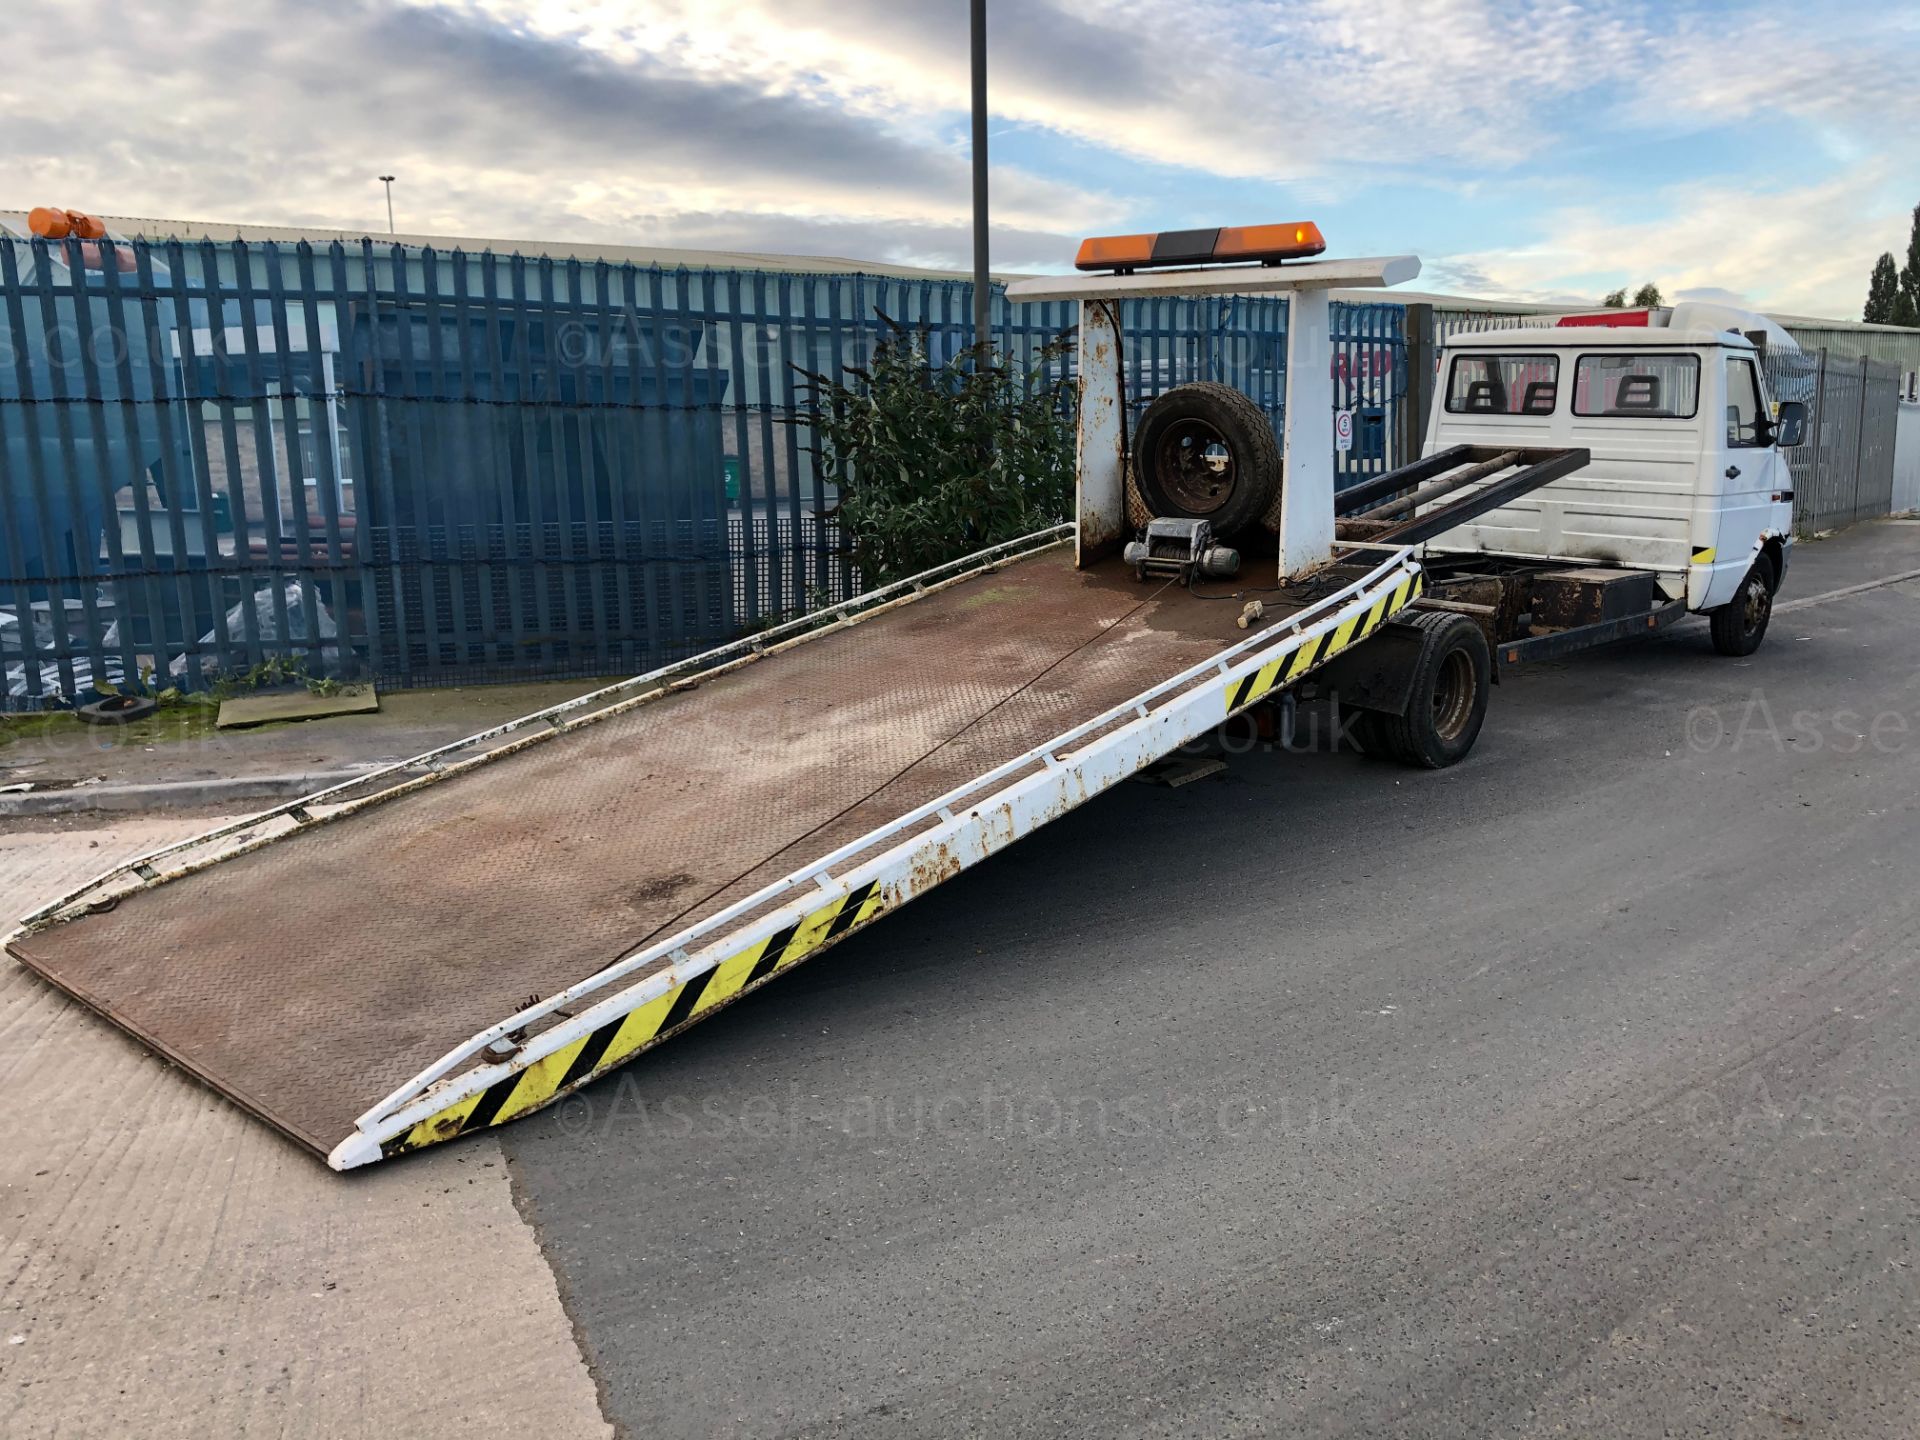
x=1791 y=428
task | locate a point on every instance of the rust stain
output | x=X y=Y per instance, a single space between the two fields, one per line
x=665 y=887
x=928 y=870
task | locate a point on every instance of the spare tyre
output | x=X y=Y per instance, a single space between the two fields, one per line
x=1206 y=452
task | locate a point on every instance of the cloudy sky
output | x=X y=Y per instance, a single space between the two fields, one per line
x=1526 y=148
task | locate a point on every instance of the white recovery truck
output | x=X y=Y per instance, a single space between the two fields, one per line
x=462 y=938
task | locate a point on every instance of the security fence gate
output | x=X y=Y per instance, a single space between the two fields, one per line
x=428 y=467
x=435 y=467
x=1843 y=471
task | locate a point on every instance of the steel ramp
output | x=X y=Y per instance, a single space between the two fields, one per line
x=371 y=975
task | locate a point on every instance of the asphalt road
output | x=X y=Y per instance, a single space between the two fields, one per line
x=1571 y=1091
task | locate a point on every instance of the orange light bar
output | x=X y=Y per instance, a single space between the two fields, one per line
x=1268 y=244
x=1114 y=252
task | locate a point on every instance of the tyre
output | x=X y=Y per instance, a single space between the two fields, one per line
x=117 y=710
x=1368 y=730
x=1739 y=627
x=1206 y=452
x=1448 y=703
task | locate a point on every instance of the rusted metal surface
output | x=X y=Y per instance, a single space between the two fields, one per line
x=1496 y=601
x=1101 y=489
x=1563 y=599
x=308 y=978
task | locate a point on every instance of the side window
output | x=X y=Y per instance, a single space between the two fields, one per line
x=1503 y=385
x=1746 y=426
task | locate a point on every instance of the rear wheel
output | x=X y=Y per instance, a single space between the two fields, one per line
x=1740 y=626
x=1448 y=703
x=1206 y=452
x=1368 y=730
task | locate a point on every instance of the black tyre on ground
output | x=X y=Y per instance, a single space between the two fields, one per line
x=1448 y=703
x=1206 y=452
x=1367 y=729
x=1739 y=627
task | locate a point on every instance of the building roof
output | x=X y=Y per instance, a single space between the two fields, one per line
x=670 y=257
x=1849 y=335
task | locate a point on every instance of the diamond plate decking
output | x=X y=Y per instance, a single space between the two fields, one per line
x=308 y=978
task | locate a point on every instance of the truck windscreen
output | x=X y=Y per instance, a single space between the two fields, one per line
x=1503 y=384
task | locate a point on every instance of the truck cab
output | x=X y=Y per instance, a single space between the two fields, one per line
x=1688 y=478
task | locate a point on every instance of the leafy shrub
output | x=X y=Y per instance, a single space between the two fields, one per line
x=935 y=461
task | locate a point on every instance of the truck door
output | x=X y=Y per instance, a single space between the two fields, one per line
x=1751 y=473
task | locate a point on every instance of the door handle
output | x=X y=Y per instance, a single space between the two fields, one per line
x=1733 y=472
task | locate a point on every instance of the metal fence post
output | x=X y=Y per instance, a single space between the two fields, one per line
x=1860 y=439
x=1815 y=500
x=1420 y=360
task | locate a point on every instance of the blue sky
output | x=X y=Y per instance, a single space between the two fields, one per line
x=1529 y=150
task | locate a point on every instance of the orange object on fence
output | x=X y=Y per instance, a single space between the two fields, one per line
x=51 y=223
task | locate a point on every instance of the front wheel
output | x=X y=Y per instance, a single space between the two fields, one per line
x=1739 y=626
x=1448 y=703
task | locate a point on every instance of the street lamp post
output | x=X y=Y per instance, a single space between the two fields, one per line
x=982 y=291
x=387 y=180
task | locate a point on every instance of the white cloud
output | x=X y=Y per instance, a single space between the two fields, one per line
x=1233 y=89
x=1803 y=250
x=281 y=111
x=838 y=125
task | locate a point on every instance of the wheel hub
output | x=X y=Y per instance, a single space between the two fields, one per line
x=1453 y=696
x=1196 y=466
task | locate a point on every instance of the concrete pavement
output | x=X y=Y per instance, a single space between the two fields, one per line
x=173 y=1268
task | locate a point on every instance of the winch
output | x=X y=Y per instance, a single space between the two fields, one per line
x=1183 y=549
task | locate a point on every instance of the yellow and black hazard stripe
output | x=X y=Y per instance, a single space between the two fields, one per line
x=1323 y=647
x=622 y=1038
x=1703 y=557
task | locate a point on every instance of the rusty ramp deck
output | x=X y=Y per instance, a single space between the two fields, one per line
x=307 y=978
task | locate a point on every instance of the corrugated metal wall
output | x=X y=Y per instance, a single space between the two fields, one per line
x=1899 y=350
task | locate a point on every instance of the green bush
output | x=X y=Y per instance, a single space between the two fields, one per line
x=935 y=461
